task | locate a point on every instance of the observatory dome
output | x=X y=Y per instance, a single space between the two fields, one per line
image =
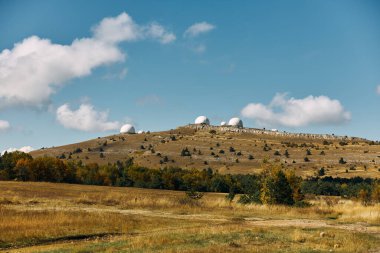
x=202 y=120
x=141 y=132
x=223 y=123
x=127 y=129
x=235 y=122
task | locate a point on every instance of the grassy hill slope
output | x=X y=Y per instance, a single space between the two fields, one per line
x=228 y=151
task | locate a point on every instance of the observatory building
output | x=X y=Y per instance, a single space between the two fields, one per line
x=223 y=123
x=202 y=120
x=127 y=129
x=236 y=122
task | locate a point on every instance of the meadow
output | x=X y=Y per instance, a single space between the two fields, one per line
x=50 y=217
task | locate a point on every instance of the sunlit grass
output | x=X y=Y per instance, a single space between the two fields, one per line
x=131 y=219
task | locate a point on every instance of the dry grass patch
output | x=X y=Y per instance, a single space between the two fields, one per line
x=28 y=227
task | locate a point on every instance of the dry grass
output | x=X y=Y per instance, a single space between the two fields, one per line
x=226 y=238
x=33 y=213
x=361 y=155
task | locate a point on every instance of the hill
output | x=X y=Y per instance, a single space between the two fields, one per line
x=230 y=150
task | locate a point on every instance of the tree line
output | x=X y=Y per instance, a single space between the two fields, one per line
x=273 y=185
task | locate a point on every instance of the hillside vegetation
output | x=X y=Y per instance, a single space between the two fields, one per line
x=228 y=152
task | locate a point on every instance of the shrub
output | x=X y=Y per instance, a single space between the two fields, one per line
x=321 y=172
x=77 y=150
x=326 y=142
x=185 y=152
x=342 y=161
x=302 y=204
x=194 y=194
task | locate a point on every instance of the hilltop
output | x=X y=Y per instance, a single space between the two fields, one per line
x=230 y=150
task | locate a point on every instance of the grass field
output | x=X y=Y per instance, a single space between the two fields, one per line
x=213 y=150
x=47 y=217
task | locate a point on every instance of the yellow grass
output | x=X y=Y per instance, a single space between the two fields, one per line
x=70 y=218
x=361 y=155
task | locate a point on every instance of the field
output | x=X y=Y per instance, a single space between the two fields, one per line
x=163 y=149
x=47 y=217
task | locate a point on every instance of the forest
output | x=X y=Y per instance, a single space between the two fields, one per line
x=274 y=185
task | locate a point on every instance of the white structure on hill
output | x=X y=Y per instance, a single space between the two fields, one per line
x=141 y=132
x=236 y=122
x=202 y=120
x=127 y=129
x=223 y=123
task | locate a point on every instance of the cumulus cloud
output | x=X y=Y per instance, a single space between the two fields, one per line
x=35 y=68
x=25 y=149
x=292 y=112
x=4 y=125
x=197 y=29
x=159 y=33
x=85 y=118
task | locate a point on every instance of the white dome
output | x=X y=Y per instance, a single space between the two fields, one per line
x=235 y=122
x=202 y=120
x=127 y=129
x=223 y=123
x=140 y=132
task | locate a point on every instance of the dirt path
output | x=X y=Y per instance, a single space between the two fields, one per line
x=249 y=221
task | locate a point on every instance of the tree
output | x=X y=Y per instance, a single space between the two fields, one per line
x=8 y=161
x=275 y=188
x=376 y=193
x=321 y=172
x=364 y=197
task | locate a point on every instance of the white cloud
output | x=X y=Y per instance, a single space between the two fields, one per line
x=4 y=125
x=123 y=28
x=25 y=149
x=35 y=68
x=197 y=29
x=159 y=33
x=85 y=118
x=378 y=89
x=291 y=112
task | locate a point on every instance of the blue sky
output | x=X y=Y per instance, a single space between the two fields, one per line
x=300 y=66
